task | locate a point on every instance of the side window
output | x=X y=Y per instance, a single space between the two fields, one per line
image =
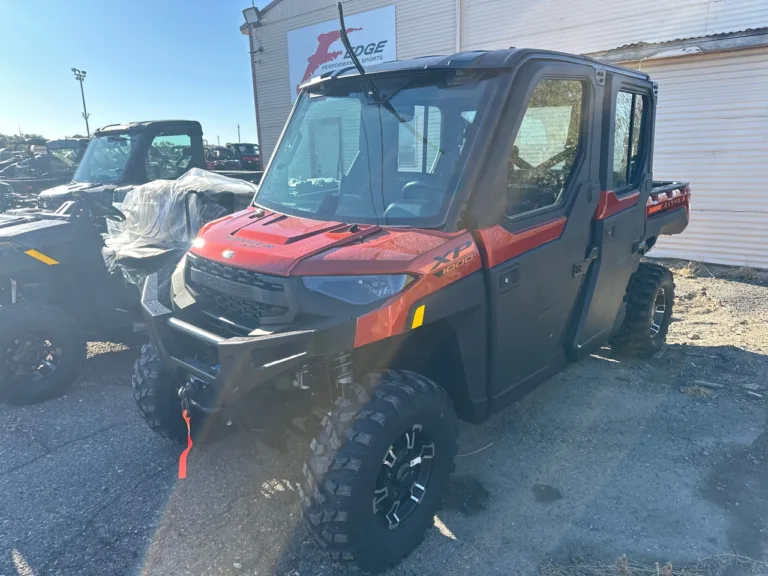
x=627 y=148
x=419 y=141
x=546 y=146
x=168 y=156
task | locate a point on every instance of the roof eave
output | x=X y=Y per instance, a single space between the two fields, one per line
x=743 y=39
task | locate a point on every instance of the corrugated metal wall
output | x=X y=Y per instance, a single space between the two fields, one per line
x=594 y=25
x=423 y=27
x=712 y=129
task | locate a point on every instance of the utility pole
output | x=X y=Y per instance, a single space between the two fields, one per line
x=238 y=133
x=80 y=76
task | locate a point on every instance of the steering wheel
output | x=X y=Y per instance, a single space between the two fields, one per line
x=410 y=189
x=99 y=207
x=178 y=163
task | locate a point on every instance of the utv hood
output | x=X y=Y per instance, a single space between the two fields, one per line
x=287 y=245
x=35 y=230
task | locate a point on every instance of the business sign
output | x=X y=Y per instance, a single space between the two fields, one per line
x=317 y=49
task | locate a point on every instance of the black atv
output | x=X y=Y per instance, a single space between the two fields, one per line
x=63 y=282
x=54 y=288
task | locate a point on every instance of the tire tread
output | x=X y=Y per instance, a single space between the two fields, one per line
x=155 y=401
x=633 y=337
x=335 y=467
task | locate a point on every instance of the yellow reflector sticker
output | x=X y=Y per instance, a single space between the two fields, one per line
x=418 y=317
x=42 y=257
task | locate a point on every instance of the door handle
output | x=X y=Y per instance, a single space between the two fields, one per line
x=580 y=268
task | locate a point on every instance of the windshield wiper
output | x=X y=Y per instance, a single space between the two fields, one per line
x=372 y=88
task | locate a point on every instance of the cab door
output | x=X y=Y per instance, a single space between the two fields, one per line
x=536 y=254
x=619 y=224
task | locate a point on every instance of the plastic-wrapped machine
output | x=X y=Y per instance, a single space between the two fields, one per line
x=164 y=216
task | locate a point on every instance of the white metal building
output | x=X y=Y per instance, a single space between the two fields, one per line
x=710 y=58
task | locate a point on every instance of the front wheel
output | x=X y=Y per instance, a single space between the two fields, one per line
x=42 y=350
x=649 y=312
x=379 y=468
x=156 y=396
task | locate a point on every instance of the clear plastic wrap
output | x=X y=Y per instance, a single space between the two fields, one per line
x=165 y=215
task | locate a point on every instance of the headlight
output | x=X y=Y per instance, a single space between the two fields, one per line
x=358 y=289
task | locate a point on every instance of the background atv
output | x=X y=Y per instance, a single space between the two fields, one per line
x=122 y=156
x=431 y=240
x=247 y=154
x=35 y=165
x=61 y=283
x=39 y=172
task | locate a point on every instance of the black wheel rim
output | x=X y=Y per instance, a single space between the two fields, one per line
x=32 y=357
x=659 y=312
x=404 y=476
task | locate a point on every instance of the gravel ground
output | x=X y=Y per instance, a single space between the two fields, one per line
x=664 y=461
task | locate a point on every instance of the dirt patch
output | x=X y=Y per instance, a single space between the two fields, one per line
x=738 y=484
x=466 y=494
x=545 y=493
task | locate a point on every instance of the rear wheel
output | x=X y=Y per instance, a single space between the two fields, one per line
x=649 y=312
x=379 y=468
x=42 y=350
x=156 y=395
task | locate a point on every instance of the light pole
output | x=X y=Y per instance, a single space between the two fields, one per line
x=252 y=17
x=80 y=76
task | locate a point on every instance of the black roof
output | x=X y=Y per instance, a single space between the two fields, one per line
x=479 y=59
x=137 y=126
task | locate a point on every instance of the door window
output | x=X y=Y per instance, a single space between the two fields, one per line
x=627 y=149
x=546 y=146
x=419 y=141
x=168 y=156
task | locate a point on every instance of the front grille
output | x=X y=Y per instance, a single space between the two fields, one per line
x=244 y=310
x=238 y=310
x=237 y=274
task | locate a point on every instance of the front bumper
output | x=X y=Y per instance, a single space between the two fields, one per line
x=235 y=366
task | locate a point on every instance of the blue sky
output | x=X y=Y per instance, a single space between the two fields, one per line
x=145 y=60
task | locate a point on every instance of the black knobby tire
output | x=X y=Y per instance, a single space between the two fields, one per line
x=156 y=395
x=346 y=459
x=53 y=324
x=636 y=335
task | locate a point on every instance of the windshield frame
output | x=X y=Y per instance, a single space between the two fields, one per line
x=443 y=78
x=80 y=177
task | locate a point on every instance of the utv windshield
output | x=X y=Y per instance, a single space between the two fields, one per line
x=247 y=149
x=351 y=157
x=106 y=157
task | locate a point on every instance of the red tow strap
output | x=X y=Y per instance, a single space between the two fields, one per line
x=183 y=457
